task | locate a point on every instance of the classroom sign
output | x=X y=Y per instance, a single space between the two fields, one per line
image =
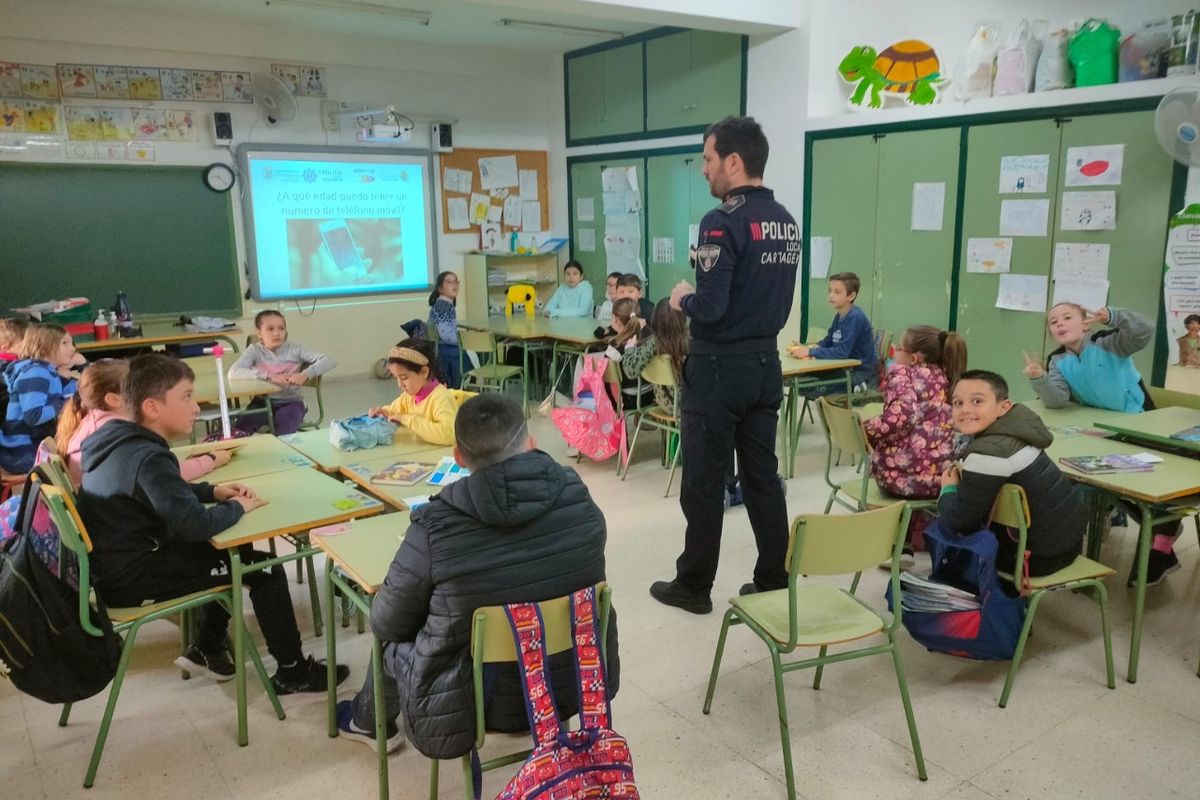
x=1181 y=284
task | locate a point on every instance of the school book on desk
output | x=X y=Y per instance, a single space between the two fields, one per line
x=403 y=473
x=1099 y=465
x=1191 y=434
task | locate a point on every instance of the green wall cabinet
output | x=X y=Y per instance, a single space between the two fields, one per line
x=606 y=93
x=693 y=79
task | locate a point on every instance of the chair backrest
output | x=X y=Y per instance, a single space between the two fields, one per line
x=1011 y=509
x=74 y=537
x=1171 y=397
x=838 y=544
x=883 y=341
x=660 y=371
x=252 y=338
x=477 y=341
x=56 y=470
x=612 y=372
x=844 y=428
x=492 y=639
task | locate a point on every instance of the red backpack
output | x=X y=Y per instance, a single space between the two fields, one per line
x=592 y=762
x=594 y=427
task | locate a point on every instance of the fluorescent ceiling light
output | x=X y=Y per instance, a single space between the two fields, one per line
x=358 y=7
x=550 y=27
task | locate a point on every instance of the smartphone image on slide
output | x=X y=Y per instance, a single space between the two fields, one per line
x=337 y=238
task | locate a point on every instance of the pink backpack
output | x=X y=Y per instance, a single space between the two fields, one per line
x=596 y=430
x=590 y=763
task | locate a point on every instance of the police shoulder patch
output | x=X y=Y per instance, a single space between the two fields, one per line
x=707 y=256
x=733 y=203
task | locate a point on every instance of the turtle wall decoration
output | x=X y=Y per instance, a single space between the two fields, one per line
x=909 y=70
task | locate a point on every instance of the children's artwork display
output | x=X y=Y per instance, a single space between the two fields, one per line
x=41 y=117
x=1022 y=293
x=112 y=83
x=76 y=80
x=908 y=70
x=235 y=87
x=1089 y=211
x=145 y=83
x=989 y=255
x=289 y=74
x=1024 y=174
x=176 y=84
x=312 y=81
x=39 y=82
x=10 y=79
x=206 y=85
x=1097 y=165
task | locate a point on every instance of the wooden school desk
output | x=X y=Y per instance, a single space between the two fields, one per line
x=356 y=564
x=297 y=500
x=255 y=455
x=315 y=444
x=361 y=471
x=1154 y=428
x=157 y=334
x=205 y=389
x=801 y=375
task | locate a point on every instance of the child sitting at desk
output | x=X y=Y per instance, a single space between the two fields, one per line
x=276 y=360
x=151 y=529
x=39 y=384
x=425 y=406
x=97 y=401
x=849 y=335
x=12 y=331
x=1096 y=369
x=1007 y=445
x=604 y=310
x=573 y=298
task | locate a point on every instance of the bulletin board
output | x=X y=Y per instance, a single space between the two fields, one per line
x=468 y=160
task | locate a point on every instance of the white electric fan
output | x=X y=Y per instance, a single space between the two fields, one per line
x=1177 y=124
x=273 y=97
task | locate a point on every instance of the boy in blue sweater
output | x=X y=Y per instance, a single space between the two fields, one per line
x=849 y=336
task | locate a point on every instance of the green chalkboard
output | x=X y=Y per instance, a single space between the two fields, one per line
x=157 y=232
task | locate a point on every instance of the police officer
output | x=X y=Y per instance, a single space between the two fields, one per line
x=746 y=260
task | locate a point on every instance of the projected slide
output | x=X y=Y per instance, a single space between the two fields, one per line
x=337 y=222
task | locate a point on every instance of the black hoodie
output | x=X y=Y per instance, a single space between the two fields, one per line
x=522 y=530
x=135 y=503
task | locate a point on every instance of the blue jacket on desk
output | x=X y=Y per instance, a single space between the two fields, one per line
x=850 y=336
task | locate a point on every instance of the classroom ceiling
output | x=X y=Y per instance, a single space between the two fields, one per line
x=453 y=22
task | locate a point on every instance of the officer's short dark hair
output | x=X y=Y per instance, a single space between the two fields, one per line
x=850 y=280
x=995 y=380
x=629 y=279
x=744 y=136
x=489 y=429
x=152 y=375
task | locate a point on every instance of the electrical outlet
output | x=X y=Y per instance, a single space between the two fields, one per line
x=329 y=118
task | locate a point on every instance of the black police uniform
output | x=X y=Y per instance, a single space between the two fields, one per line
x=746 y=261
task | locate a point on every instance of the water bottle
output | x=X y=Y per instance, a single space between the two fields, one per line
x=121 y=309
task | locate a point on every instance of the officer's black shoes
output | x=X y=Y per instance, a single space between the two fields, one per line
x=748 y=588
x=670 y=593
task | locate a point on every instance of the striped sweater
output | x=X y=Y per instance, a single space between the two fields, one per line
x=36 y=395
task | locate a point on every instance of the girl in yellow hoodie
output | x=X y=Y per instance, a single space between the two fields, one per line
x=426 y=406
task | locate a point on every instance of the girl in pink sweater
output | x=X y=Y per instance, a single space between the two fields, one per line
x=96 y=402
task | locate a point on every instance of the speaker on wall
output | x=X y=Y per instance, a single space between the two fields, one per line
x=442 y=137
x=222 y=123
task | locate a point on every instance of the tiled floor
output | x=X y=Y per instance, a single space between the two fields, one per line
x=1063 y=735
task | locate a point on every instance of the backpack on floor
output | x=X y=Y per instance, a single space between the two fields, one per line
x=592 y=762
x=986 y=633
x=44 y=650
x=592 y=426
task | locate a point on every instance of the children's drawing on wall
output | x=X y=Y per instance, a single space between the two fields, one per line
x=179 y=125
x=176 y=84
x=41 y=117
x=145 y=83
x=312 y=81
x=10 y=79
x=908 y=70
x=12 y=116
x=83 y=123
x=149 y=124
x=289 y=74
x=1099 y=165
x=1024 y=174
x=76 y=80
x=116 y=123
x=112 y=83
x=236 y=87
x=206 y=85
x=39 y=82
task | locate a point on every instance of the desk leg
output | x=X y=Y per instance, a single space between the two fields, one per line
x=380 y=716
x=330 y=649
x=849 y=387
x=1145 y=539
x=239 y=643
x=789 y=421
x=525 y=378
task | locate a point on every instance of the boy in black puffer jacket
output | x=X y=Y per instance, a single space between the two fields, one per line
x=1007 y=446
x=520 y=528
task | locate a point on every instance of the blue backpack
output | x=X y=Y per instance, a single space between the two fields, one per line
x=987 y=633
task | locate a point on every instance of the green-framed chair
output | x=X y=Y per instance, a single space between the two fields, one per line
x=492 y=374
x=492 y=643
x=127 y=622
x=659 y=372
x=820 y=614
x=1012 y=510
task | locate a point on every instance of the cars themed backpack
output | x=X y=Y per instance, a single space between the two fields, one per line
x=590 y=763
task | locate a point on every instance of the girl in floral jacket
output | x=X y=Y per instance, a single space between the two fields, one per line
x=912 y=441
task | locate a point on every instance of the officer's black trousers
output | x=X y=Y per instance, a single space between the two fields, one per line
x=731 y=402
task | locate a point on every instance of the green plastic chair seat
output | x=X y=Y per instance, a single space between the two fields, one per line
x=1081 y=569
x=824 y=615
x=876 y=497
x=494 y=372
x=660 y=413
x=124 y=615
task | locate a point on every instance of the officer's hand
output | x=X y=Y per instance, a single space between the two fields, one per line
x=681 y=290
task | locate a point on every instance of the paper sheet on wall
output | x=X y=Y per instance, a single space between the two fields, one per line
x=618 y=179
x=989 y=255
x=456 y=180
x=820 y=256
x=1087 y=293
x=1078 y=261
x=928 y=205
x=479 y=208
x=512 y=211
x=664 y=250
x=633 y=200
x=1098 y=165
x=693 y=235
x=614 y=203
x=587 y=240
x=529 y=184
x=1024 y=174
x=497 y=172
x=585 y=209
x=494 y=212
x=531 y=216
x=1089 y=211
x=1024 y=217
x=1022 y=293
x=456 y=213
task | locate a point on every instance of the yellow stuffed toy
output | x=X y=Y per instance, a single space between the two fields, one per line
x=521 y=294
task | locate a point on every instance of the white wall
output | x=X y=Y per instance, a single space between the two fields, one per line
x=499 y=100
